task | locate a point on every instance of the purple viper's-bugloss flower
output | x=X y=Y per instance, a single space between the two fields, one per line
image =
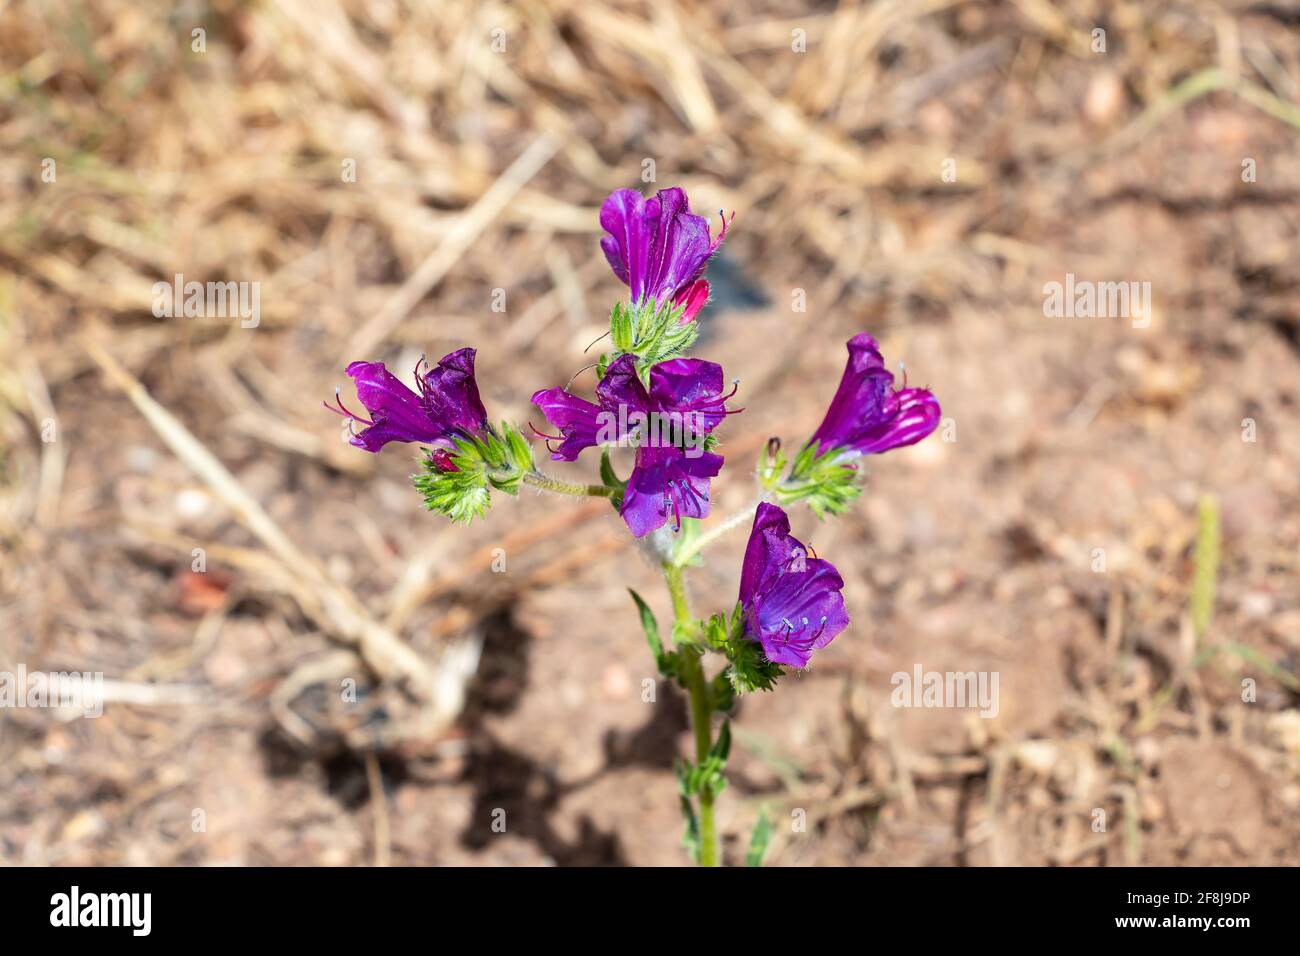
x=447 y=403
x=667 y=483
x=791 y=602
x=659 y=247
x=667 y=423
x=868 y=415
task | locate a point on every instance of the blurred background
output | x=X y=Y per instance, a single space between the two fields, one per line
x=301 y=666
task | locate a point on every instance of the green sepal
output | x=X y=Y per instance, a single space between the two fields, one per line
x=825 y=482
x=650 y=332
x=748 y=668
x=489 y=459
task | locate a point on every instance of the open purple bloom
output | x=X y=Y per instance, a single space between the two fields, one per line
x=668 y=423
x=447 y=403
x=667 y=483
x=684 y=403
x=791 y=602
x=868 y=415
x=659 y=247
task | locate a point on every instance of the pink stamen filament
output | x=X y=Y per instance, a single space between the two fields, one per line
x=548 y=438
x=345 y=411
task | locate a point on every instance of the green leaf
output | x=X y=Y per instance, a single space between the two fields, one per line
x=610 y=477
x=721 y=748
x=759 y=840
x=651 y=628
x=691 y=838
x=607 y=473
x=668 y=662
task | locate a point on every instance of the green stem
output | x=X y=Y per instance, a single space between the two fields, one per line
x=693 y=675
x=546 y=483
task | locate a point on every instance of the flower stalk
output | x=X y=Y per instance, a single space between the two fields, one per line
x=547 y=483
x=692 y=668
x=689 y=549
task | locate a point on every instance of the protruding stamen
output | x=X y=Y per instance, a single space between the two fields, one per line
x=547 y=438
x=344 y=411
x=686 y=489
x=542 y=434
x=419 y=374
x=722 y=233
x=674 y=493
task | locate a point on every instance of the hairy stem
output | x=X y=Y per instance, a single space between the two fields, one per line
x=693 y=674
x=546 y=483
x=707 y=538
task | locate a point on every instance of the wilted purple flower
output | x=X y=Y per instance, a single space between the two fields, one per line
x=447 y=403
x=868 y=415
x=791 y=602
x=668 y=422
x=659 y=247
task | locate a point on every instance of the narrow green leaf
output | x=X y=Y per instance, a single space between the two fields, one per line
x=651 y=628
x=691 y=838
x=607 y=473
x=759 y=840
x=610 y=477
x=721 y=748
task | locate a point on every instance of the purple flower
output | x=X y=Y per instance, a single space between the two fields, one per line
x=659 y=247
x=684 y=403
x=667 y=483
x=868 y=415
x=447 y=403
x=667 y=422
x=791 y=602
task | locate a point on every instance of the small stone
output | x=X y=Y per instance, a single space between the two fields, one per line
x=1104 y=99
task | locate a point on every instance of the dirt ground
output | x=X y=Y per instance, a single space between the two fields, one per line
x=921 y=170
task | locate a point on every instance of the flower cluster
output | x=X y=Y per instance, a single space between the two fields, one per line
x=671 y=476
x=665 y=407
